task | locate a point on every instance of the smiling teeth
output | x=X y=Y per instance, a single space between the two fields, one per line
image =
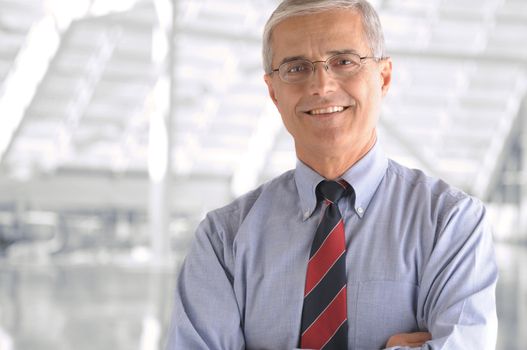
x=326 y=110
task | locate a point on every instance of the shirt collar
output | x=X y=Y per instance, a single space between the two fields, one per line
x=306 y=183
x=364 y=176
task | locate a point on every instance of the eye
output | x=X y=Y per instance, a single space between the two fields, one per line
x=345 y=62
x=296 y=67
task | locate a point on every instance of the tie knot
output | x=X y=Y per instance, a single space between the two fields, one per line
x=333 y=190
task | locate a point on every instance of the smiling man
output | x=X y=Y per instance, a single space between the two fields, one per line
x=349 y=250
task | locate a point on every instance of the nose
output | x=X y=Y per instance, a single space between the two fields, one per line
x=322 y=82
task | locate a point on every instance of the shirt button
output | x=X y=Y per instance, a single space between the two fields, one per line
x=360 y=210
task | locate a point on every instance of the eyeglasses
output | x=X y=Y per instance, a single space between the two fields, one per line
x=341 y=65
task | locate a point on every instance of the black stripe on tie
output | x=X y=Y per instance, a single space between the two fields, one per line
x=340 y=340
x=328 y=223
x=324 y=293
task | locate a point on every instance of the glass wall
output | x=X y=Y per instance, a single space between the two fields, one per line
x=123 y=122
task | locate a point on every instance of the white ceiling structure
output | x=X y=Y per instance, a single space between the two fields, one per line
x=77 y=96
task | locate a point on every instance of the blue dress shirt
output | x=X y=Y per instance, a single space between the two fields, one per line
x=419 y=258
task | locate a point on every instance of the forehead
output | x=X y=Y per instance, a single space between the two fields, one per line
x=316 y=34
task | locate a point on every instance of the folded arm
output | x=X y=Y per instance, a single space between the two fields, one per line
x=457 y=293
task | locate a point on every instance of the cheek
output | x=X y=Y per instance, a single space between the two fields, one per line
x=286 y=102
x=369 y=97
x=286 y=111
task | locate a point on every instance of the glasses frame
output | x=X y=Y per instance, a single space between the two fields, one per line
x=326 y=65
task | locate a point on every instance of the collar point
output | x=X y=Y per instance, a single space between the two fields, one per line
x=306 y=214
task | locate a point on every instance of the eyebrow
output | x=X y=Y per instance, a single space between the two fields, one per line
x=292 y=58
x=336 y=52
x=329 y=53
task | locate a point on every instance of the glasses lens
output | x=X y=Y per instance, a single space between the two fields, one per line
x=296 y=71
x=344 y=64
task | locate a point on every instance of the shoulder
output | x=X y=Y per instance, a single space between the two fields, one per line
x=231 y=216
x=417 y=180
x=440 y=196
x=220 y=227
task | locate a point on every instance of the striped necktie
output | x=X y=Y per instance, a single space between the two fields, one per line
x=324 y=314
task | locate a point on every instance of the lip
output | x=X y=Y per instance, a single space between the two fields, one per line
x=325 y=111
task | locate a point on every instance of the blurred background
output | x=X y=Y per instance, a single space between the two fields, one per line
x=122 y=122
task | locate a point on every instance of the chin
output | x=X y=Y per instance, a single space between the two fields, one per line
x=333 y=136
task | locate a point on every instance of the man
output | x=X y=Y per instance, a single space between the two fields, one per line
x=350 y=250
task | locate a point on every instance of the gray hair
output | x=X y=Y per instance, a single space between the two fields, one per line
x=291 y=8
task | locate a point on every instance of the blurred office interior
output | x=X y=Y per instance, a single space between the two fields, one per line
x=122 y=122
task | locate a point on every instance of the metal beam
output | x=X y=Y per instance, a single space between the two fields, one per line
x=522 y=234
x=160 y=142
x=501 y=58
x=492 y=165
x=30 y=67
x=73 y=191
x=495 y=174
x=195 y=30
x=261 y=143
x=426 y=161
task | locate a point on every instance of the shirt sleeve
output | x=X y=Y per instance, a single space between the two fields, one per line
x=457 y=302
x=206 y=313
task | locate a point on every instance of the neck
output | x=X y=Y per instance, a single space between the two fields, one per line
x=332 y=165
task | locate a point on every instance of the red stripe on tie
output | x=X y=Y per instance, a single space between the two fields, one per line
x=327 y=324
x=343 y=183
x=325 y=257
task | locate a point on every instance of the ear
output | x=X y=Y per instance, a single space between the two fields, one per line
x=269 y=81
x=386 y=75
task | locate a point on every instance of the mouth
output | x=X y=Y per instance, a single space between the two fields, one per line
x=327 y=110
